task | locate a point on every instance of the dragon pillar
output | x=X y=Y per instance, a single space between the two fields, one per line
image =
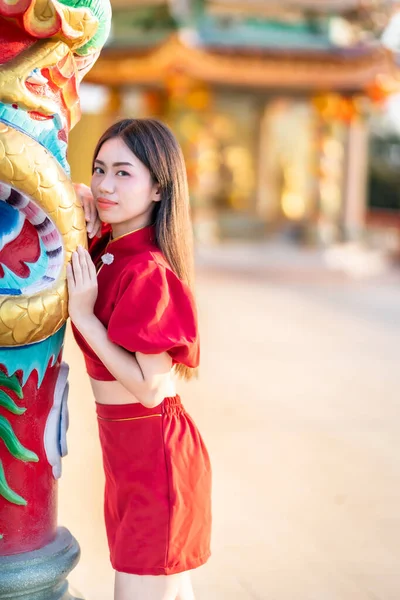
x=46 y=47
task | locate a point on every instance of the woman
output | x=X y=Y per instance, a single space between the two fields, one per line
x=133 y=316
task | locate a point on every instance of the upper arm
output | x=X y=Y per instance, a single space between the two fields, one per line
x=154 y=314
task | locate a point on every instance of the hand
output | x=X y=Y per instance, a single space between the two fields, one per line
x=82 y=286
x=85 y=196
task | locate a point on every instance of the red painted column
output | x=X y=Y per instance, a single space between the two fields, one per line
x=30 y=527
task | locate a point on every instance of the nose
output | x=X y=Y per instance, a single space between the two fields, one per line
x=106 y=185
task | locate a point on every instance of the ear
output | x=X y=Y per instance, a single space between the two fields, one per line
x=156 y=193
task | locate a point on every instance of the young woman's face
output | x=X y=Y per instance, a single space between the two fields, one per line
x=122 y=188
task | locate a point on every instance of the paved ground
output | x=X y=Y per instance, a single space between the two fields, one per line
x=298 y=401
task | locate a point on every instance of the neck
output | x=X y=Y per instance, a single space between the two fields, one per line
x=120 y=229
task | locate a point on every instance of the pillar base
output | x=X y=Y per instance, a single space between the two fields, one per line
x=41 y=574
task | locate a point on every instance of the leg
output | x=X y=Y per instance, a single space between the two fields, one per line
x=150 y=587
x=185 y=588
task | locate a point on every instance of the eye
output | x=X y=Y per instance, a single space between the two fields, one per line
x=98 y=170
x=123 y=173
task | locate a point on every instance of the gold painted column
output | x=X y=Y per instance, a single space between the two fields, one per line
x=85 y=135
x=355 y=192
x=286 y=162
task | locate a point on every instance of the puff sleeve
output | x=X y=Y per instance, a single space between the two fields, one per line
x=155 y=312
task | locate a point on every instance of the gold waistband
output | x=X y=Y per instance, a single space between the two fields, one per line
x=131 y=418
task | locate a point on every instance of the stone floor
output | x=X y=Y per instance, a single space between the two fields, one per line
x=298 y=402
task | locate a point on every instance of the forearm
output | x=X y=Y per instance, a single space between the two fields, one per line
x=143 y=380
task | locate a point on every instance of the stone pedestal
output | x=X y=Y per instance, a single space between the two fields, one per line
x=40 y=574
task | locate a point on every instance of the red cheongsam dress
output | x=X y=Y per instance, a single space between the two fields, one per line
x=158 y=477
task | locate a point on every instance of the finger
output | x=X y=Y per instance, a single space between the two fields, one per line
x=86 y=208
x=83 y=264
x=77 y=269
x=90 y=220
x=97 y=227
x=93 y=212
x=95 y=222
x=90 y=231
x=80 y=192
x=91 y=267
x=70 y=277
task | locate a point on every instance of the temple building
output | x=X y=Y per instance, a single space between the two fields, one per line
x=270 y=100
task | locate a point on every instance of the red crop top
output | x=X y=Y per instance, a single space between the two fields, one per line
x=144 y=306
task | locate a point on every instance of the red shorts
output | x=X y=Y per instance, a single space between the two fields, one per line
x=158 y=488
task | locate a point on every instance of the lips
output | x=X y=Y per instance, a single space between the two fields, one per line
x=104 y=203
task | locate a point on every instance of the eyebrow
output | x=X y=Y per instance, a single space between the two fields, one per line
x=116 y=164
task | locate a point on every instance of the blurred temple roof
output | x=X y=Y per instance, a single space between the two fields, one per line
x=265 y=43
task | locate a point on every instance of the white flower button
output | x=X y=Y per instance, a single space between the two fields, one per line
x=107 y=258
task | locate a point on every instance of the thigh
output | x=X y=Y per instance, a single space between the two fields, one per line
x=147 y=587
x=185 y=587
